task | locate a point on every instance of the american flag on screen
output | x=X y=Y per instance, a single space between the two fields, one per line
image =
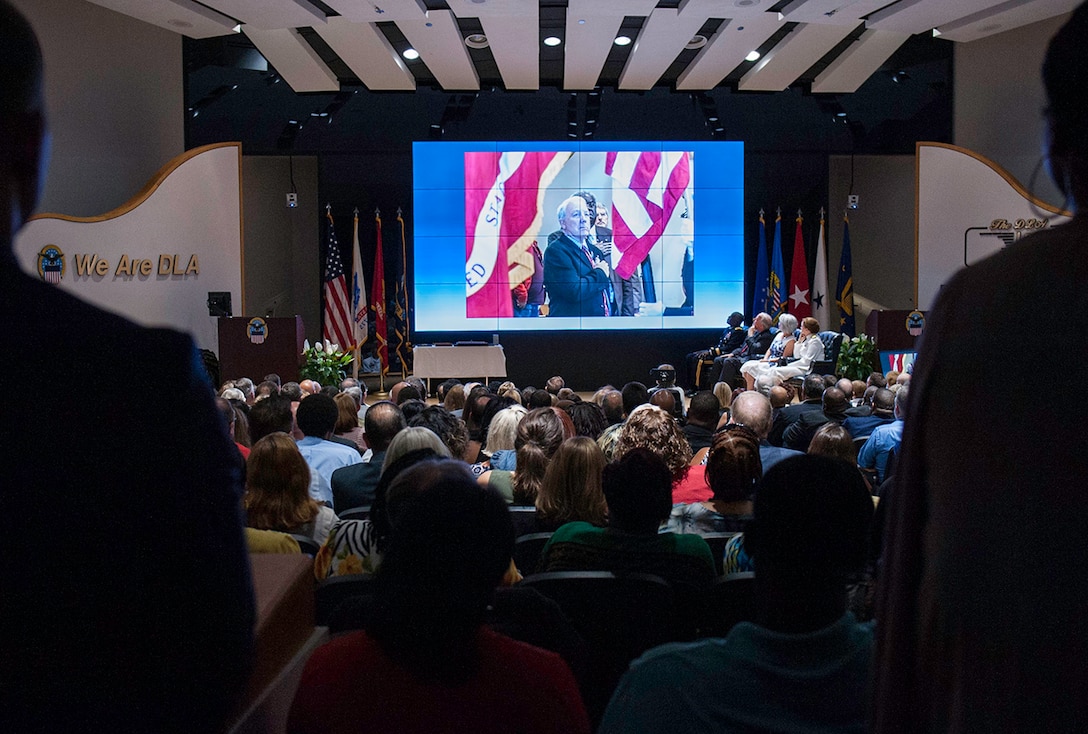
x=503 y=197
x=646 y=186
x=337 y=315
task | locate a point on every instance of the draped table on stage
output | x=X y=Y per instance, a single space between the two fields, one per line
x=460 y=362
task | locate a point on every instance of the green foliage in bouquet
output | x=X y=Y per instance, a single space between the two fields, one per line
x=858 y=357
x=325 y=363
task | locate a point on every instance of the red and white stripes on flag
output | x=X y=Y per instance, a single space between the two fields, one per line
x=646 y=186
x=504 y=193
x=337 y=314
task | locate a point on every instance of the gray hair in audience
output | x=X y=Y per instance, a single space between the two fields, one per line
x=504 y=429
x=411 y=439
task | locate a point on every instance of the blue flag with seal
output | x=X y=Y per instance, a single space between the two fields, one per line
x=759 y=296
x=844 y=293
x=776 y=287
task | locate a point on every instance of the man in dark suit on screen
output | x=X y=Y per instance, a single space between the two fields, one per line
x=576 y=274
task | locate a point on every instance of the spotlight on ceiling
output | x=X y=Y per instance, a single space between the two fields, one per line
x=900 y=77
x=622 y=40
x=752 y=56
x=697 y=41
x=552 y=41
x=410 y=53
x=476 y=40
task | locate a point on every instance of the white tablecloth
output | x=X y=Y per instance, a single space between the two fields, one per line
x=485 y=361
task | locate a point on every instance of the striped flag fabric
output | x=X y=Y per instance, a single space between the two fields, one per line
x=646 y=187
x=800 y=305
x=821 y=307
x=763 y=274
x=504 y=193
x=776 y=288
x=360 y=328
x=845 y=290
x=377 y=300
x=401 y=325
x=336 y=327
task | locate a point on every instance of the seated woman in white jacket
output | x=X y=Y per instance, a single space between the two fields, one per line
x=807 y=350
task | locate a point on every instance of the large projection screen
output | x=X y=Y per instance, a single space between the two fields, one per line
x=669 y=224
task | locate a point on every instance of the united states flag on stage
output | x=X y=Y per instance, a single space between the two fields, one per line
x=646 y=187
x=504 y=193
x=337 y=314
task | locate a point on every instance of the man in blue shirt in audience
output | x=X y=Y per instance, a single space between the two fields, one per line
x=884 y=439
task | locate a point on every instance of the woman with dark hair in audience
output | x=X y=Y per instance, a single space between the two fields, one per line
x=454 y=401
x=831 y=439
x=649 y=427
x=448 y=427
x=539 y=434
x=638 y=491
x=588 y=419
x=426 y=662
x=733 y=470
x=347 y=420
x=277 y=491
x=571 y=489
x=412 y=407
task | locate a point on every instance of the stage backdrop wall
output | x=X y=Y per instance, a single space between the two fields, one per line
x=968 y=208
x=156 y=258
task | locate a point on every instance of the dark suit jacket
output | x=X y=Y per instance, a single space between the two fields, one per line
x=788 y=416
x=863 y=426
x=575 y=287
x=755 y=346
x=353 y=486
x=127 y=601
x=799 y=435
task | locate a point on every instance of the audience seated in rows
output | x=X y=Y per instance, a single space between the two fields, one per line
x=277 y=496
x=804 y=663
x=882 y=412
x=316 y=417
x=885 y=439
x=649 y=427
x=638 y=490
x=703 y=413
x=752 y=410
x=354 y=485
x=833 y=405
x=733 y=470
x=571 y=490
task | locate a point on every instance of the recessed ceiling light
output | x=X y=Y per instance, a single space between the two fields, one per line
x=697 y=41
x=840 y=114
x=411 y=54
x=476 y=40
x=581 y=21
x=552 y=41
x=752 y=56
x=622 y=40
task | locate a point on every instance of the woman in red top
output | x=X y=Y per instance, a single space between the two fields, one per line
x=426 y=662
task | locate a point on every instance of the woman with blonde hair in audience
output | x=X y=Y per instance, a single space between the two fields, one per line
x=277 y=493
x=650 y=427
x=347 y=420
x=539 y=435
x=502 y=432
x=571 y=489
x=412 y=439
x=733 y=470
x=724 y=393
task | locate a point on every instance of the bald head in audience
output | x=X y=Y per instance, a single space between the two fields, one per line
x=754 y=411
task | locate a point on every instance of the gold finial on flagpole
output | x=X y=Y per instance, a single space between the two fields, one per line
x=398 y=212
x=328 y=208
x=821 y=212
x=356 y=212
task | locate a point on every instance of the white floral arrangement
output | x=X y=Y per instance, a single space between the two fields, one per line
x=324 y=362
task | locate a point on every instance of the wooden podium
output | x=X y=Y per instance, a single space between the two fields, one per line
x=889 y=329
x=248 y=350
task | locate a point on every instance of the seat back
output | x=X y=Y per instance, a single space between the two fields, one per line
x=832 y=341
x=728 y=601
x=620 y=616
x=355 y=513
x=337 y=601
x=527 y=550
x=306 y=544
x=717 y=542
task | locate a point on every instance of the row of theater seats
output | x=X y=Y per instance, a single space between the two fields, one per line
x=597 y=620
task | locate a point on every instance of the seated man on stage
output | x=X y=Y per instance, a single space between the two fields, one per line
x=732 y=338
x=754 y=347
x=576 y=275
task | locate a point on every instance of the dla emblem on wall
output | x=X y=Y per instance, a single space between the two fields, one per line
x=257 y=328
x=916 y=322
x=51 y=264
